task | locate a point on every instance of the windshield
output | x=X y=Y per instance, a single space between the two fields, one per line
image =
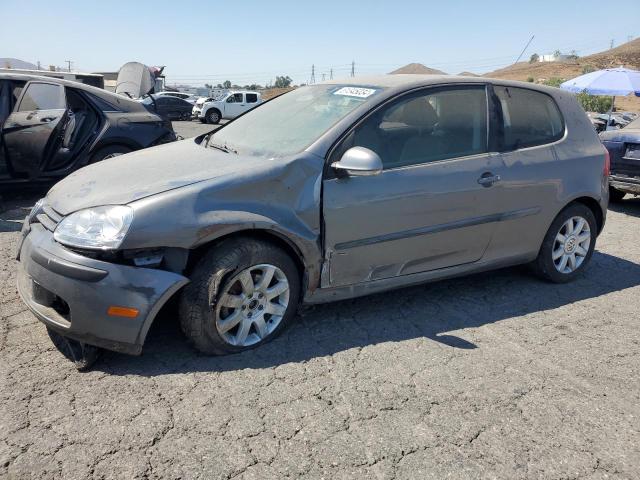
x=290 y=123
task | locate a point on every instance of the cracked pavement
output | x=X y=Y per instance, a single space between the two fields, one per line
x=497 y=375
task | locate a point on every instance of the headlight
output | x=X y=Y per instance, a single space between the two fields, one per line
x=37 y=208
x=102 y=228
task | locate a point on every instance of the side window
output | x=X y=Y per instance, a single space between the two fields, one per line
x=436 y=124
x=231 y=99
x=529 y=118
x=252 y=97
x=42 y=96
x=237 y=98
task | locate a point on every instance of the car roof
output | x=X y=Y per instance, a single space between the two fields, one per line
x=110 y=97
x=408 y=81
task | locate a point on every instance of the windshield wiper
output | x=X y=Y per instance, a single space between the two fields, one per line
x=225 y=148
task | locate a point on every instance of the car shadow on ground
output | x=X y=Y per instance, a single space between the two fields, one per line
x=15 y=203
x=432 y=311
x=630 y=206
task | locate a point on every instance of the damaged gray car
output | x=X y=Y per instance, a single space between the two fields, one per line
x=331 y=191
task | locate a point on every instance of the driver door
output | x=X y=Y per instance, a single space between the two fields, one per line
x=435 y=203
x=33 y=132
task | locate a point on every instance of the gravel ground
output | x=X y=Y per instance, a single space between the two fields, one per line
x=496 y=375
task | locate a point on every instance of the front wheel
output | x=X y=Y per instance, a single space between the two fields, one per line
x=242 y=294
x=568 y=245
x=213 y=116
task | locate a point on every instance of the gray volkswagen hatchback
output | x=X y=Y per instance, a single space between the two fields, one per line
x=331 y=191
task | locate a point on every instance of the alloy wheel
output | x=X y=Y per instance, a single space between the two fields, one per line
x=571 y=245
x=252 y=305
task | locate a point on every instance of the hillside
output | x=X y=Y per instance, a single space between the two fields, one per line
x=627 y=54
x=16 y=63
x=418 y=69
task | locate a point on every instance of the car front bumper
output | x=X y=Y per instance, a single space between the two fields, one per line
x=72 y=294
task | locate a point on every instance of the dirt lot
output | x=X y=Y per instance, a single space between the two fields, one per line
x=492 y=376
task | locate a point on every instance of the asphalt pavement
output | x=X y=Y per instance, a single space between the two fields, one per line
x=497 y=375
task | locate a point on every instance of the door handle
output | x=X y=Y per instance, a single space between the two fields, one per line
x=487 y=179
x=47 y=119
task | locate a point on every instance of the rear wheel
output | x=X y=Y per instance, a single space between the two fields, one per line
x=568 y=245
x=242 y=294
x=110 y=151
x=615 y=195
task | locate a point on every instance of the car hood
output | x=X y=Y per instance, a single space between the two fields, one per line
x=622 y=135
x=140 y=174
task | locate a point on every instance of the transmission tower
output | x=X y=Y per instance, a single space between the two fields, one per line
x=313 y=74
x=353 y=68
x=323 y=76
x=331 y=74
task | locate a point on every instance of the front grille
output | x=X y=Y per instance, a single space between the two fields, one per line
x=48 y=217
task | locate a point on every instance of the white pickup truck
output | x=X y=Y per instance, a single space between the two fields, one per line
x=229 y=106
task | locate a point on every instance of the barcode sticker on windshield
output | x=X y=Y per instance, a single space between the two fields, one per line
x=355 y=92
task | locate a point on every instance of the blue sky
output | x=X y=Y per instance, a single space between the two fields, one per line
x=210 y=42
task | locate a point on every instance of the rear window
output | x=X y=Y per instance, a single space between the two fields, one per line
x=42 y=96
x=252 y=97
x=529 y=118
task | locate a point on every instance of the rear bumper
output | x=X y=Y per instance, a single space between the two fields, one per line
x=72 y=294
x=625 y=184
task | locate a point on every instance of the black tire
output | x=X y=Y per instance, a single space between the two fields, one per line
x=109 y=152
x=211 y=278
x=544 y=265
x=81 y=354
x=213 y=116
x=615 y=195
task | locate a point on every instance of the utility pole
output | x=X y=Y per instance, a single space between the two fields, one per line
x=611 y=46
x=313 y=74
x=353 y=68
x=69 y=62
x=331 y=74
x=524 y=49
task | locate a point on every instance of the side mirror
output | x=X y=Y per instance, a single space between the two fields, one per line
x=359 y=161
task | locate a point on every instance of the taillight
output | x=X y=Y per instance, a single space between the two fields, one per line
x=607 y=163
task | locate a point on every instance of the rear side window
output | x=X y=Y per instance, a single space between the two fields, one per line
x=252 y=97
x=42 y=96
x=529 y=118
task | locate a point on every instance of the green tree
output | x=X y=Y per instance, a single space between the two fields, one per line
x=554 y=82
x=534 y=58
x=283 y=82
x=595 y=103
x=227 y=84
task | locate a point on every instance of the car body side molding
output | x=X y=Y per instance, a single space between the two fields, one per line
x=469 y=222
